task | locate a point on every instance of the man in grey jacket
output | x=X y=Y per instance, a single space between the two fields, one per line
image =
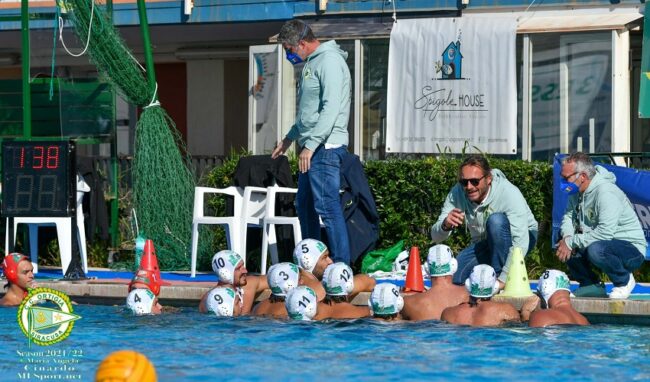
x=494 y=212
x=321 y=130
x=599 y=228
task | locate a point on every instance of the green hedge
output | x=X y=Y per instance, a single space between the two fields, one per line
x=410 y=194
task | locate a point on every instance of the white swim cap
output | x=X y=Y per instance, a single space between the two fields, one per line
x=282 y=278
x=221 y=301
x=385 y=299
x=307 y=253
x=140 y=301
x=551 y=281
x=338 y=279
x=224 y=264
x=301 y=303
x=482 y=282
x=441 y=261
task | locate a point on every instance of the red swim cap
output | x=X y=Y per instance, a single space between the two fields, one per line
x=10 y=266
x=148 y=278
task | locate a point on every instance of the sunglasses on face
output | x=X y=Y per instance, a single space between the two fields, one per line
x=473 y=181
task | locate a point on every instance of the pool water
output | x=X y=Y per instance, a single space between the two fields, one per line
x=188 y=346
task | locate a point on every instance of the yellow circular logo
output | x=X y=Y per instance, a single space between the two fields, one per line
x=45 y=316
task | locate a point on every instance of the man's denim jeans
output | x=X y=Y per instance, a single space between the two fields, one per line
x=493 y=250
x=617 y=258
x=318 y=194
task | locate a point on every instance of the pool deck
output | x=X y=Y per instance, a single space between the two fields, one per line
x=183 y=293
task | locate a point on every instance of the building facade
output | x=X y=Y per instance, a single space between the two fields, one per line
x=227 y=86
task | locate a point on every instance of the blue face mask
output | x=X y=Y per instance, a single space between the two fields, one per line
x=293 y=58
x=569 y=188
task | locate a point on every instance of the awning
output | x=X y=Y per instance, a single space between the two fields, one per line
x=575 y=20
x=576 y=23
x=346 y=29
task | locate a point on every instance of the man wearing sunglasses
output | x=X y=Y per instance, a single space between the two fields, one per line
x=493 y=211
x=599 y=228
x=321 y=130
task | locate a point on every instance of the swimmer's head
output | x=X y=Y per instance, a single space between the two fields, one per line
x=552 y=281
x=312 y=256
x=482 y=282
x=282 y=278
x=229 y=267
x=145 y=279
x=441 y=261
x=301 y=303
x=338 y=280
x=18 y=270
x=385 y=300
x=142 y=302
x=224 y=302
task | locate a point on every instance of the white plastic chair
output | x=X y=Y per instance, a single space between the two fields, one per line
x=63 y=229
x=253 y=210
x=248 y=212
x=232 y=223
x=269 y=239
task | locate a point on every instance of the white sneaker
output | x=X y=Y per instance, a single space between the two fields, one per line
x=623 y=292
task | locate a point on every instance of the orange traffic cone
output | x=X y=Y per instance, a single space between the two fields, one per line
x=149 y=261
x=414 y=281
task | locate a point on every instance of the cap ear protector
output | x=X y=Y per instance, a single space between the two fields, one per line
x=10 y=266
x=224 y=264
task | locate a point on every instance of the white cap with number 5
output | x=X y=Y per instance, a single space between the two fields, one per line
x=307 y=253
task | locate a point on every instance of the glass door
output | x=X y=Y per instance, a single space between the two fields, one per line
x=264 y=98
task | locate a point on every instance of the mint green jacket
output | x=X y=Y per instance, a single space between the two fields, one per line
x=503 y=197
x=324 y=99
x=602 y=212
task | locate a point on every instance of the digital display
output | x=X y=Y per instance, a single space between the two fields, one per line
x=38 y=178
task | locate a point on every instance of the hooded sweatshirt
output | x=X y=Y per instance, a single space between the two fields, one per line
x=602 y=212
x=324 y=99
x=503 y=197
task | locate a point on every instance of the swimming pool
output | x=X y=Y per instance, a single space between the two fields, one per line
x=188 y=346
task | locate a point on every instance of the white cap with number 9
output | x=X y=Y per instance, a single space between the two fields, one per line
x=221 y=301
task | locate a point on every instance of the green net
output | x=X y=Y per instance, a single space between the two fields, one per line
x=163 y=184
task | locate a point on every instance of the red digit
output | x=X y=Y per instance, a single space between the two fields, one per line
x=38 y=157
x=52 y=157
x=22 y=157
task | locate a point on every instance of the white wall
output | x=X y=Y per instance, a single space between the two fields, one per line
x=205 y=100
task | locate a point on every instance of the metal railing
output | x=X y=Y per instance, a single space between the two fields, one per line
x=200 y=166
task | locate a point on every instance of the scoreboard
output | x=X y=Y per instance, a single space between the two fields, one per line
x=38 y=179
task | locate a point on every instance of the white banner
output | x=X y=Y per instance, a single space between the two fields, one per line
x=452 y=86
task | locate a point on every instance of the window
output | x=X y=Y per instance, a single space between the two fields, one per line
x=571 y=93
